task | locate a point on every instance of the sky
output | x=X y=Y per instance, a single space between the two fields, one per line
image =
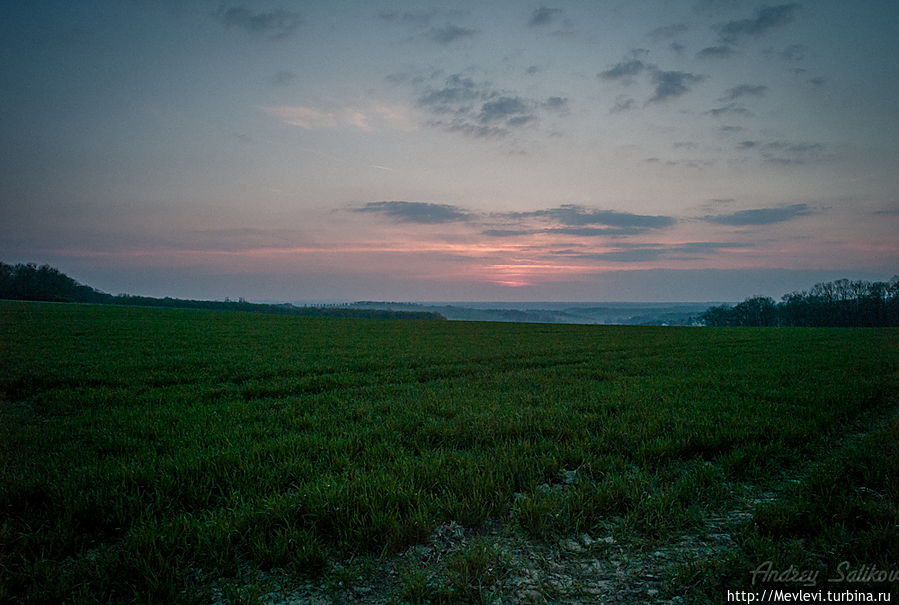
x=665 y=150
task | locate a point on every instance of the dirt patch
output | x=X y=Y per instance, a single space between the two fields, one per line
x=576 y=570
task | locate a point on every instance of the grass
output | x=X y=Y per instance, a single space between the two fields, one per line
x=171 y=455
x=841 y=521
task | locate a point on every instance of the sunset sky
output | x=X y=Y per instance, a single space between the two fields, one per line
x=568 y=151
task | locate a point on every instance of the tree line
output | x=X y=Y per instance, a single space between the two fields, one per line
x=840 y=303
x=47 y=284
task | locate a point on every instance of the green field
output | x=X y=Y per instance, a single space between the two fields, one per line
x=162 y=455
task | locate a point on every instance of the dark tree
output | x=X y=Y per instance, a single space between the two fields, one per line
x=841 y=303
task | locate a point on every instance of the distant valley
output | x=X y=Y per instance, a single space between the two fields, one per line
x=609 y=313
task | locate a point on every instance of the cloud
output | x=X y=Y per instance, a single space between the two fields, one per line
x=576 y=215
x=623 y=104
x=450 y=33
x=766 y=18
x=416 y=212
x=632 y=255
x=668 y=31
x=367 y=117
x=274 y=25
x=559 y=104
x=305 y=117
x=544 y=16
x=638 y=253
x=624 y=69
x=503 y=108
x=597 y=231
x=479 y=110
x=507 y=232
x=672 y=84
x=744 y=90
x=794 y=52
x=715 y=52
x=760 y=216
x=572 y=220
x=467 y=128
x=422 y=17
x=454 y=97
x=729 y=109
x=786 y=153
x=666 y=84
x=709 y=246
x=716 y=5
x=283 y=78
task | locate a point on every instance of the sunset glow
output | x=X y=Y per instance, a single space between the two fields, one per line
x=703 y=150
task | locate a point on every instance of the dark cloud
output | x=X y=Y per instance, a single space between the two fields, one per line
x=507 y=232
x=597 y=231
x=760 y=216
x=416 y=212
x=786 y=153
x=632 y=255
x=716 y=5
x=450 y=33
x=623 y=104
x=794 y=52
x=729 y=109
x=668 y=31
x=567 y=219
x=715 y=52
x=462 y=126
x=575 y=215
x=624 y=69
x=556 y=104
x=283 y=78
x=544 y=16
x=503 y=108
x=709 y=246
x=273 y=25
x=766 y=18
x=420 y=18
x=666 y=84
x=637 y=253
x=672 y=84
x=744 y=90
x=455 y=97
x=479 y=110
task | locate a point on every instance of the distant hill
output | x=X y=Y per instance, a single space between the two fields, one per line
x=670 y=314
x=45 y=283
